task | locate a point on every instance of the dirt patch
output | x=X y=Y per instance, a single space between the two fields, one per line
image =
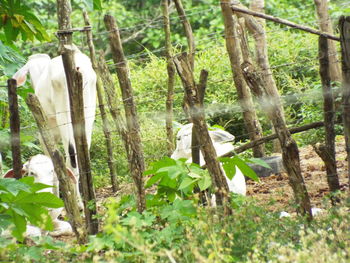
x=276 y=187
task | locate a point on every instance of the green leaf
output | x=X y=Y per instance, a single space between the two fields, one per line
x=245 y=169
x=259 y=162
x=44 y=199
x=204 y=183
x=13 y=186
x=229 y=166
x=5 y=222
x=155 y=178
x=20 y=226
x=186 y=183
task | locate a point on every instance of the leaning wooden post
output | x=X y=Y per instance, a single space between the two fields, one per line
x=136 y=160
x=171 y=79
x=188 y=31
x=109 y=145
x=327 y=153
x=325 y=25
x=183 y=68
x=15 y=128
x=67 y=189
x=271 y=105
x=191 y=47
x=251 y=120
x=75 y=91
x=344 y=29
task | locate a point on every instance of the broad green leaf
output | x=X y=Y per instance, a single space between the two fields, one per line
x=44 y=199
x=245 y=169
x=5 y=221
x=186 y=183
x=155 y=178
x=20 y=226
x=229 y=166
x=204 y=183
x=38 y=216
x=171 y=196
x=194 y=175
x=13 y=186
x=258 y=162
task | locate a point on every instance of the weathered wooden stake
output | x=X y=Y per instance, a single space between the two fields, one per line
x=183 y=68
x=67 y=189
x=344 y=29
x=109 y=145
x=251 y=120
x=15 y=128
x=136 y=159
x=325 y=25
x=191 y=50
x=171 y=79
x=329 y=115
x=75 y=91
x=271 y=105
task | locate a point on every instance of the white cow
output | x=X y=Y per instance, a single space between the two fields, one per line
x=42 y=169
x=49 y=82
x=222 y=144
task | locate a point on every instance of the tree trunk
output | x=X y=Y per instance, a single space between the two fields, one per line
x=171 y=79
x=64 y=11
x=67 y=189
x=109 y=145
x=188 y=31
x=183 y=67
x=328 y=151
x=261 y=55
x=137 y=165
x=344 y=29
x=15 y=128
x=76 y=101
x=251 y=121
x=325 y=25
x=290 y=153
x=191 y=48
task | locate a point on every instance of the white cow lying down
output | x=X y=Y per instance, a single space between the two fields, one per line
x=222 y=144
x=42 y=169
x=49 y=82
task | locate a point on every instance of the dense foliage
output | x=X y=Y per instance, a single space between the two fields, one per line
x=174 y=228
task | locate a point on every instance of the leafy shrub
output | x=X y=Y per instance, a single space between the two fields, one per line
x=21 y=203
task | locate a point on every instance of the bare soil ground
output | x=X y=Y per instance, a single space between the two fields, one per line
x=276 y=187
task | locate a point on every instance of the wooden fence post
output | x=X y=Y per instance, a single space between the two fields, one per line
x=183 y=68
x=136 y=159
x=75 y=91
x=191 y=50
x=15 y=128
x=344 y=29
x=251 y=120
x=67 y=189
x=271 y=105
x=171 y=79
x=109 y=145
x=327 y=152
x=325 y=25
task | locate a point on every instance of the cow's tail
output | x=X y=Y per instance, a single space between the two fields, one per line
x=71 y=151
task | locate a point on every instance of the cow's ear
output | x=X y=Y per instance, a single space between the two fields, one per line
x=11 y=173
x=71 y=175
x=21 y=76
